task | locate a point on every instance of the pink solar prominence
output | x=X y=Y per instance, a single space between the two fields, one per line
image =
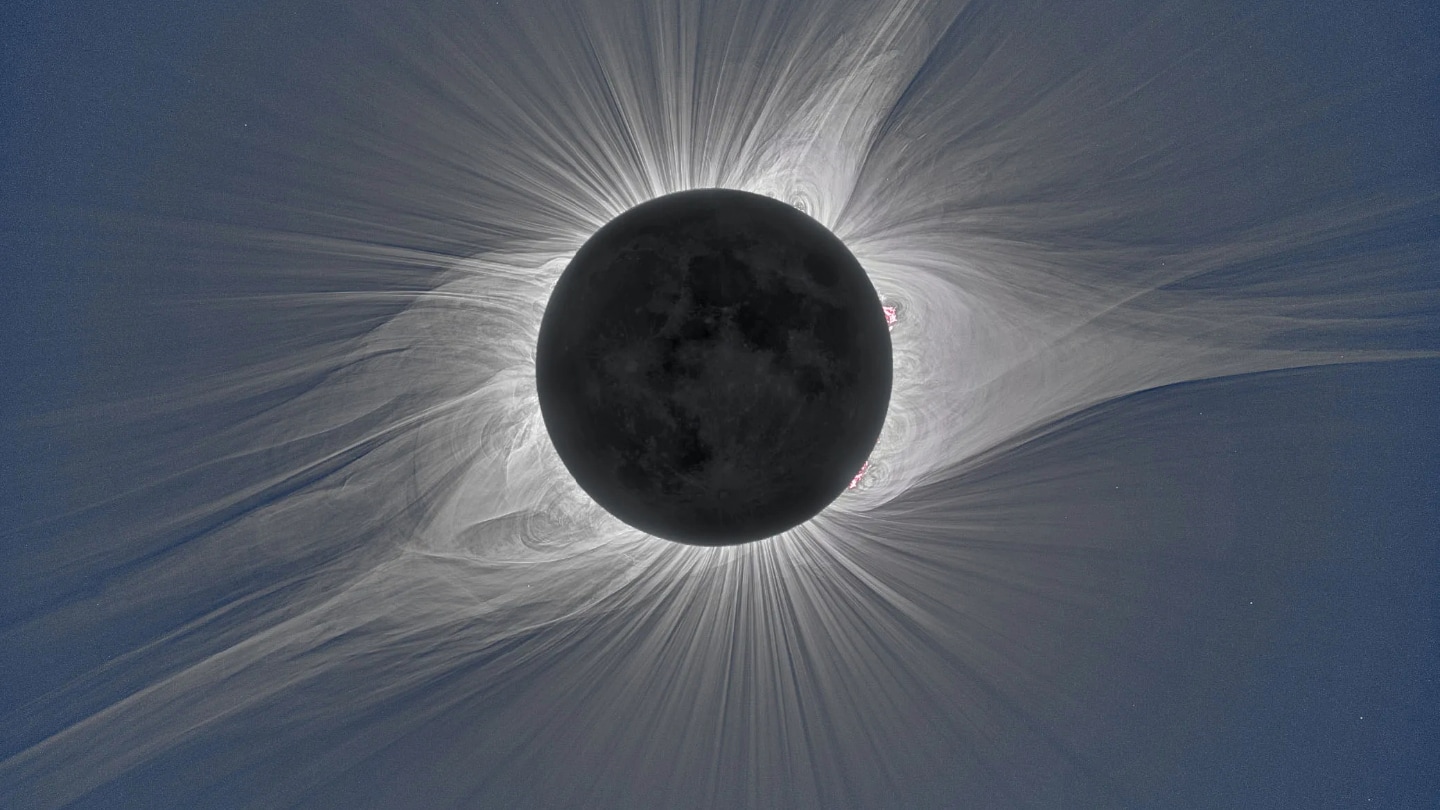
x=890 y=319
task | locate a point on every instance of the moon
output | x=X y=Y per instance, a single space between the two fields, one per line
x=713 y=367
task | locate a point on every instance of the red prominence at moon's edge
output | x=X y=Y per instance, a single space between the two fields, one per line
x=890 y=318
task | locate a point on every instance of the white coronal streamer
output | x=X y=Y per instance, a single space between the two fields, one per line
x=440 y=527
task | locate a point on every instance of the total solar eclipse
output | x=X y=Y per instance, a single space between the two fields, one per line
x=713 y=367
x=459 y=404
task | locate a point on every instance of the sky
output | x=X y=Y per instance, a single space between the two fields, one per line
x=1152 y=522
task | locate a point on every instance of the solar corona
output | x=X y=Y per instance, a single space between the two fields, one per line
x=627 y=404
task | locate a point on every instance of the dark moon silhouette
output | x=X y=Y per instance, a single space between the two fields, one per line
x=713 y=367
